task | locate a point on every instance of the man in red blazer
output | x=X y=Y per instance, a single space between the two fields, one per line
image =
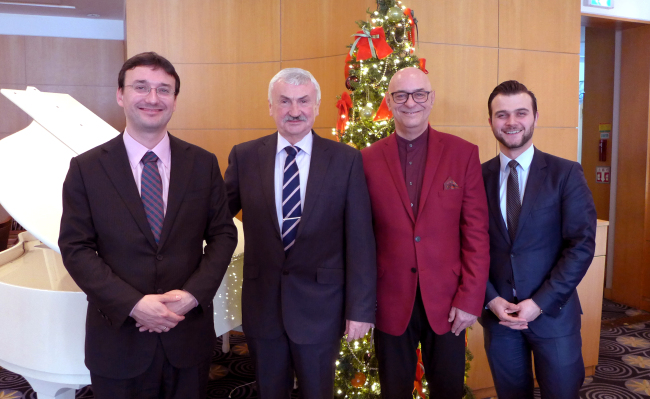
x=431 y=226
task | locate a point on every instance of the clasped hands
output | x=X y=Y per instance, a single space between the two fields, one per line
x=160 y=313
x=515 y=316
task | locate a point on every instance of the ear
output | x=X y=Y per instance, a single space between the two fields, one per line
x=270 y=108
x=536 y=117
x=432 y=96
x=490 y=121
x=317 y=109
x=118 y=95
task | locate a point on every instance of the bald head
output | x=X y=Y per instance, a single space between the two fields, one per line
x=412 y=115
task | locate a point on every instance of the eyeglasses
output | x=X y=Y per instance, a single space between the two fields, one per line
x=162 y=91
x=400 y=97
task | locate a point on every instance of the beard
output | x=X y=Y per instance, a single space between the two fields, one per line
x=525 y=138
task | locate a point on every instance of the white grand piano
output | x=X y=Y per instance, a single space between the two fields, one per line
x=42 y=310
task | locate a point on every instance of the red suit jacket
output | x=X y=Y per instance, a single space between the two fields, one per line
x=446 y=248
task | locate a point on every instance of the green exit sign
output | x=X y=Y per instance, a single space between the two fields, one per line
x=600 y=3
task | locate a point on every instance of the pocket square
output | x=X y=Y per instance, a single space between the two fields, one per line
x=450 y=184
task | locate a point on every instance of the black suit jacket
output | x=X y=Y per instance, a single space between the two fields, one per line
x=110 y=252
x=330 y=272
x=553 y=248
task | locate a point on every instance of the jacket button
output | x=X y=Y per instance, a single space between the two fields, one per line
x=413 y=270
x=285 y=272
x=159 y=291
x=512 y=255
x=160 y=257
x=417 y=239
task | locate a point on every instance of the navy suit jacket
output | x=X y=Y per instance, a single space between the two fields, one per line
x=553 y=247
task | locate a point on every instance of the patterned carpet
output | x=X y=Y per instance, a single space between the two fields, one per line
x=623 y=370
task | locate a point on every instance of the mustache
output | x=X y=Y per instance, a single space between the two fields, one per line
x=290 y=118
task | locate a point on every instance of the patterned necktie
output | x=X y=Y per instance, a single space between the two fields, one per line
x=513 y=200
x=151 y=193
x=291 y=210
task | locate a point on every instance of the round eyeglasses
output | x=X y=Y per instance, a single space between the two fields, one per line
x=162 y=91
x=420 y=96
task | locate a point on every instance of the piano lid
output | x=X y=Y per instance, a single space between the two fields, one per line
x=35 y=160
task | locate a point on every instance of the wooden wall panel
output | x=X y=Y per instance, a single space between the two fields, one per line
x=483 y=137
x=73 y=62
x=314 y=29
x=220 y=142
x=463 y=77
x=205 y=31
x=550 y=25
x=469 y=22
x=328 y=71
x=224 y=96
x=12 y=59
x=561 y=142
x=553 y=77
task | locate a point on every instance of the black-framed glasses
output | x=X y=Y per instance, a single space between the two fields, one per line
x=162 y=91
x=420 y=96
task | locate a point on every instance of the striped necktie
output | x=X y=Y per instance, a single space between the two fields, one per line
x=151 y=193
x=513 y=200
x=291 y=209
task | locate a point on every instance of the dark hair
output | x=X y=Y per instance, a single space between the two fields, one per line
x=149 y=59
x=509 y=88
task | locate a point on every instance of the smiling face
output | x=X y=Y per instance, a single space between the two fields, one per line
x=294 y=109
x=411 y=118
x=513 y=123
x=147 y=115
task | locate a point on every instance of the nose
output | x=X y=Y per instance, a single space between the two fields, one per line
x=410 y=101
x=152 y=96
x=294 y=110
x=511 y=119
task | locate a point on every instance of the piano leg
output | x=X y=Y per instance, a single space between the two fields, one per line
x=53 y=390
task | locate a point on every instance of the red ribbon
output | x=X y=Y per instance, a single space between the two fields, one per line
x=423 y=63
x=344 y=105
x=378 y=37
x=409 y=14
x=347 y=66
x=383 y=113
x=419 y=373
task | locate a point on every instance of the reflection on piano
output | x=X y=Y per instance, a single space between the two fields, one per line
x=43 y=310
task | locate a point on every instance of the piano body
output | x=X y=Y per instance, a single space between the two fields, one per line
x=42 y=309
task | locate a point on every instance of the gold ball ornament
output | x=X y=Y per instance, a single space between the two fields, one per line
x=367 y=112
x=394 y=14
x=358 y=380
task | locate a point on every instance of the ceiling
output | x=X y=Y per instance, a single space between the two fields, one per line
x=104 y=9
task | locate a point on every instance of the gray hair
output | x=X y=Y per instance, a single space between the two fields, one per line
x=296 y=77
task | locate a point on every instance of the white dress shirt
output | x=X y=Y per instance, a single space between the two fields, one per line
x=303 y=159
x=523 y=170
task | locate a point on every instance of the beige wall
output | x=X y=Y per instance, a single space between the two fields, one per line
x=226 y=52
x=84 y=68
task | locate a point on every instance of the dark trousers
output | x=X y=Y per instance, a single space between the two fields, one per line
x=443 y=357
x=160 y=381
x=276 y=360
x=559 y=366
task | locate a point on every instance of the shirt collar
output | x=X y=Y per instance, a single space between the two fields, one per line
x=418 y=141
x=305 y=144
x=135 y=151
x=524 y=160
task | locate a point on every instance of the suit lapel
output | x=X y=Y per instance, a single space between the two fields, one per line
x=492 y=184
x=320 y=160
x=115 y=162
x=179 y=177
x=536 y=177
x=266 y=152
x=391 y=154
x=434 y=153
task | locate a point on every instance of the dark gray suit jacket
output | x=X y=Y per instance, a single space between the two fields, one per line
x=330 y=273
x=553 y=248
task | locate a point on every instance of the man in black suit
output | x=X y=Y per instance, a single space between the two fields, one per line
x=542 y=230
x=136 y=211
x=309 y=269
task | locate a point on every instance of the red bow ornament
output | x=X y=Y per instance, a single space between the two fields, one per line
x=371 y=44
x=383 y=113
x=344 y=105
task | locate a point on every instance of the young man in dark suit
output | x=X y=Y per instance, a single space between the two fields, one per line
x=309 y=269
x=136 y=211
x=542 y=230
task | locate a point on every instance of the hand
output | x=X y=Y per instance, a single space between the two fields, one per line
x=183 y=305
x=508 y=313
x=356 y=329
x=152 y=314
x=461 y=320
x=529 y=310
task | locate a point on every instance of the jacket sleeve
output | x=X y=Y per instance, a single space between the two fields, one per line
x=474 y=240
x=231 y=178
x=578 y=235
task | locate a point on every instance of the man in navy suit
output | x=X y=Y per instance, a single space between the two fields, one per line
x=542 y=230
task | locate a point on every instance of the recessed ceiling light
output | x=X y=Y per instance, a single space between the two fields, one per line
x=94 y=15
x=9 y=3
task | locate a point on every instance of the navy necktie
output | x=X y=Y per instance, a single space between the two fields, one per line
x=291 y=209
x=513 y=200
x=151 y=193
